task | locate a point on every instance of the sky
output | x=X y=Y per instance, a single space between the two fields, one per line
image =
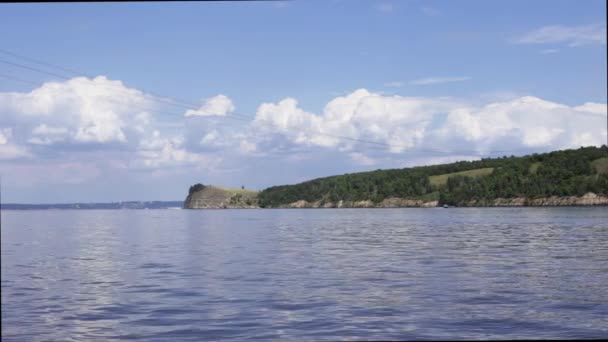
x=108 y=102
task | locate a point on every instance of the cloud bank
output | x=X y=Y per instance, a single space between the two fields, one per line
x=85 y=128
x=425 y=124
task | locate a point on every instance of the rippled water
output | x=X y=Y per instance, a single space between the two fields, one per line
x=305 y=274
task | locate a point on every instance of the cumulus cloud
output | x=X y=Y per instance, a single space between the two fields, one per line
x=525 y=122
x=397 y=124
x=570 y=35
x=78 y=111
x=219 y=105
x=439 y=80
x=98 y=113
x=392 y=120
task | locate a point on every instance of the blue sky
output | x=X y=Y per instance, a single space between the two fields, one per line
x=481 y=76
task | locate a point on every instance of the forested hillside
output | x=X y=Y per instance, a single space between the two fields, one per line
x=559 y=173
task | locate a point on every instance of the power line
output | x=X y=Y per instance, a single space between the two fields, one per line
x=18 y=79
x=166 y=99
x=35 y=69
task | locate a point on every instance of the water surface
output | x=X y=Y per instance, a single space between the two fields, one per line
x=309 y=274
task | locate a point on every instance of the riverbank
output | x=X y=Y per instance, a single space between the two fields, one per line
x=589 y=199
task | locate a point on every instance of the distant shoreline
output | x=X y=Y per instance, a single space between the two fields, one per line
x=311 y=208
x=96 y=206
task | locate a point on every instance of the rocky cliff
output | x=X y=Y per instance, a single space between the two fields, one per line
x=589 y=199
x=392 y=202
x=214 y=197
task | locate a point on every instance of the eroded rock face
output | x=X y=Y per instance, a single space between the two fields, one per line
x=299 y=204
x=394 y=202
x=212 y=197
x=585 y=200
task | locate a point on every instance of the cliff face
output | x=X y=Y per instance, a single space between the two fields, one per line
x=393 y=202
x=585 y=200
x=212 y=197
x=589 y=199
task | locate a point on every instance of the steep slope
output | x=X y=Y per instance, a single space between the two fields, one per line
x=215 y=197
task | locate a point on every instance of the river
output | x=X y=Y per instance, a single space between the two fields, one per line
x=305 y=274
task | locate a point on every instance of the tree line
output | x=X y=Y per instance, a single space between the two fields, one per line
x=558 y=173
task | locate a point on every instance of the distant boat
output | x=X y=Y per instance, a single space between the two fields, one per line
x=445 y=206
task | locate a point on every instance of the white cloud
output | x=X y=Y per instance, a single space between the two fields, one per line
x=525 y=122
x=219 y=105
x=59 y=115
x=64 y=118
x=361 y=115
x=570 y=35
x=439 y=80
x=77 y=111
x=593 y=108
x=401 y=123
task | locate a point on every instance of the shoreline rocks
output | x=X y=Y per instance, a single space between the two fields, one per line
x=588 y=199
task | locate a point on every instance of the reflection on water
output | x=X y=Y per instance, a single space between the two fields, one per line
x=305 y=274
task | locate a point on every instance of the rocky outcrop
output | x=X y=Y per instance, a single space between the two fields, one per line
x=212 y=197
x=393 y=202
x=588 y=199
x=396 y=202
